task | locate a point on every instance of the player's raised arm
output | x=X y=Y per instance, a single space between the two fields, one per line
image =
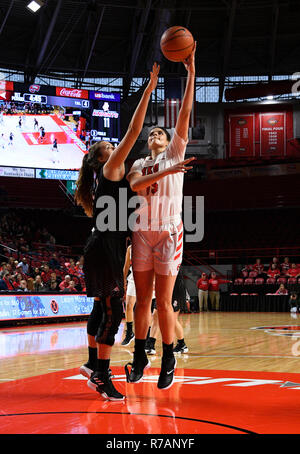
x=182 y=124
x=119 y=155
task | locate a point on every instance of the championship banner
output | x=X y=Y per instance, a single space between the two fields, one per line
x=241 y=135
x=272 y=131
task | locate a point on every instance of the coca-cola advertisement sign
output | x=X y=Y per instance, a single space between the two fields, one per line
x=72 y=92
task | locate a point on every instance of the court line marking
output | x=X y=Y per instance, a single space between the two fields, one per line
x=131 y=414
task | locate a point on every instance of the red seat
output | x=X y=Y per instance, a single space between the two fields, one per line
x=248 y=281
x=253 y=274
x=281 y=280
x=238 y=281
x=259 y=281
x=292 y=280
x=244 y=294
x=245 y=273
x=271 y=280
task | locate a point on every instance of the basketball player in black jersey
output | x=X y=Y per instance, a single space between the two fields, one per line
x=104 y=253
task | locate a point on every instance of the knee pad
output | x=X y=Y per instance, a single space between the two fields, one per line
x=113 y=313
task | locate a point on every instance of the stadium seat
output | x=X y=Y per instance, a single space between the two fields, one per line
x=271 y=280
x=253 y=274
x=259 y=281
x=292 y=280
x=248 y=281
x=244 y=294
x=281 y=280
x=238 y=281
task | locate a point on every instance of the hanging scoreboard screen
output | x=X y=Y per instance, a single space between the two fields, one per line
x=105 y=117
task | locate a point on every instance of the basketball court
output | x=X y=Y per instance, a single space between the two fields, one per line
x=240 y=376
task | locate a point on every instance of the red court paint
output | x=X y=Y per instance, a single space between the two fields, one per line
x=199 y=402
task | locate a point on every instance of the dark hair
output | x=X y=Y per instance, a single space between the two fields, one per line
x=84 y=185
x=165 y=131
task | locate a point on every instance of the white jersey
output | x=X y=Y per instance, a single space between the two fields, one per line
x=161 y=203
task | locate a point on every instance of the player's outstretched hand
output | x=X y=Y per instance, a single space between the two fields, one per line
x=189 y=62
x=180 y=166
x=154 y=77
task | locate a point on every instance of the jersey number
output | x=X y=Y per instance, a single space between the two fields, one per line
x=148 y=171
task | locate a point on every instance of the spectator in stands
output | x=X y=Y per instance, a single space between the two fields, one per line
x=71 y=288
x=23 y=286
x=202 y=285
x=53 y=286
x=54 y=263
x=273 y=271
x=65 y=283
x=294 y=302
x=17 y=280
x=275 y=261
x=6 y=282
x=46 y=274
x=258 y=267
x=38 y=284
x=293 y=271
x=214 y=290
x=24 y=265
x=285 y=266
x=282 y=290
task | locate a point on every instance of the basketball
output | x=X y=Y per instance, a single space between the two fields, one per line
x=177 y=43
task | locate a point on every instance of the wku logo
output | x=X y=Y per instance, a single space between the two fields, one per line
x=34 y=88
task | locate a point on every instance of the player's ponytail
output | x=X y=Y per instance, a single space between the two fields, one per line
x=85 y=183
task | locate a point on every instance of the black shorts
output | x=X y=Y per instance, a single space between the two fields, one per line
x=175 y=304
x=104 y=258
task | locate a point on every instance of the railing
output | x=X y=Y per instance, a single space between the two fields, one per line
x=197 y=256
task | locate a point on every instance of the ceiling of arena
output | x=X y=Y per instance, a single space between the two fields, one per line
x=120 y=38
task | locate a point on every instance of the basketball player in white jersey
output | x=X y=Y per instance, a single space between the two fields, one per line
x=157 y=247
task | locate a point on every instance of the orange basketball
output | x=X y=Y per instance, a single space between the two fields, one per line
x=177 y=43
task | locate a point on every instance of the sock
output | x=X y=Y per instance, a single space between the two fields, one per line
x=103 y=365
x=181 y=342
x=129 y=326
x=168 y=350
x=152 y=341
x=93 y=356
x=148 y=334
x=139 y=347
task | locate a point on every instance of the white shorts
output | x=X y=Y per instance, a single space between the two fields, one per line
x=130 y=288
x=159 y=250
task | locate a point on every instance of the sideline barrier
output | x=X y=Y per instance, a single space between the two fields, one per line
x=39 y=307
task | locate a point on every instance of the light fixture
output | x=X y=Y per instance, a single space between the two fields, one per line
x=35 y=5
x=270 y=97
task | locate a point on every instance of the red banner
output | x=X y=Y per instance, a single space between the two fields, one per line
x=241 y=135
x=72 y=92
x=272 y=128
x=6 y=85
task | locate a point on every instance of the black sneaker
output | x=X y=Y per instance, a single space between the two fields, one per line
x=128 y=338
x=137 y=369
x=166 y=376
x=102 y=383
x=180 y=348
x=86 y=370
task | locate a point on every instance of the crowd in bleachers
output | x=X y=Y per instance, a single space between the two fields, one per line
x=285 y=275
x=30 y=260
